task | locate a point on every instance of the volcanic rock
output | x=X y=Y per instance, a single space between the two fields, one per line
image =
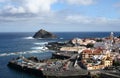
x=44 y=34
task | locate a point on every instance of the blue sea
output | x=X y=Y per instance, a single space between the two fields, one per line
x=14 y=44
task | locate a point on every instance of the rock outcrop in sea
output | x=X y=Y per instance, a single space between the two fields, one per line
x=44 y=34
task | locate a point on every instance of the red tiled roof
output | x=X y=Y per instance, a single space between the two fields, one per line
x=87 y=51
x=96 y=51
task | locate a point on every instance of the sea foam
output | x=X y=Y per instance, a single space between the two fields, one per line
x=21 y=53
x=28 y=37
x=39 y=48
x=42 y=43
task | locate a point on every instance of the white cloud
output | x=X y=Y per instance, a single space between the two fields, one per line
x=40 y=13
x=81 y=2
x=2 y=0
x=117 y=5
x=36 y=6
x=20 y=10
x=26 y=6
x=79 y=19
x=13 y=10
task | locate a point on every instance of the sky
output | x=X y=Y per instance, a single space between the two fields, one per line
x=59 y=15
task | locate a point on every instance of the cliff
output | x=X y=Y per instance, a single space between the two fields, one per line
x=44 y=34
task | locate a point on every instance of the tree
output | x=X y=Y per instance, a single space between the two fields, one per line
x=90 y=45
x=99 y=40
x=116 y=63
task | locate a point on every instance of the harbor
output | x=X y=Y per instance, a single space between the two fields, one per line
x=54 y=68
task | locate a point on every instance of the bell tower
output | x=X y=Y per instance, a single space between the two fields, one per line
x=112 y=37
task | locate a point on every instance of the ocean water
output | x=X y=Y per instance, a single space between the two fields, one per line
x=13 y=45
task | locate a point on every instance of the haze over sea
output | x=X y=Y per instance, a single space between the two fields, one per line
x=13 y=45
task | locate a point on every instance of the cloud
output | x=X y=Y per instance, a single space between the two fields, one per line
x=40 y=10
x=2 y=0
x=26 y=6
x=80 y=2
x=36 y=6
x=80 y=19
x=117 y=5
x=13 y=10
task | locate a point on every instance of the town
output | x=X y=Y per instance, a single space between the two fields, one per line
x=85 y=58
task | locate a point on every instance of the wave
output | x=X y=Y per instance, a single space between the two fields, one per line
x=28 y=37
x=42 y=43
x=21 y=53
x=61 y=38
x=40 y=48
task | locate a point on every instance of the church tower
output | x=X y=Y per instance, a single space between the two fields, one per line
x=112 y=38
x=111 y=41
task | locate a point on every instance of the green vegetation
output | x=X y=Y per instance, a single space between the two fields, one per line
x=96 y=76
x=90 y=45
x=99 y=40
x=116 y=63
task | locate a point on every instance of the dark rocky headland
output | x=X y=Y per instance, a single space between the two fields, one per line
x=44 y=34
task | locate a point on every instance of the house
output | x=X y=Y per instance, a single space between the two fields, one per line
x=89 y=53
x=96 y=58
